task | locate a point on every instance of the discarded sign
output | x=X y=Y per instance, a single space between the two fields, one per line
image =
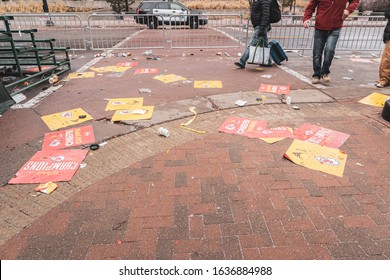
x=66 y=118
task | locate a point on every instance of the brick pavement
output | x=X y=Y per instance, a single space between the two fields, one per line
x=221 y=196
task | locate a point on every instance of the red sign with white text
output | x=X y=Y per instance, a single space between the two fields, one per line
x=321 y=136
x=50 y=166
x=241 y=126
x=278 y=89
x=68 y=138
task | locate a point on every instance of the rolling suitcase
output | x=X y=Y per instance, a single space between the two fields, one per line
x=277 y=53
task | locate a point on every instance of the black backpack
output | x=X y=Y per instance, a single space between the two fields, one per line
x=275 y=14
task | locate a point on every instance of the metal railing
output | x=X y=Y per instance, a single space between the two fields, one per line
x=125 y=31
x=113 y=31
x=213 y=31
x=67 y=29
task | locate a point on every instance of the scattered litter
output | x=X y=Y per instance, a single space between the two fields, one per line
x=240 y=102
x=238 y=54
x=218 y=53
x=184 y=125
x=73 y=56
x=153 y=58
x=337 y=57
x=226 y=54
x=296 y=108
x=103 y=144
x=83 y=165
x=347 y=78
x=19 y=97
x=351 y=71
x=97 y=55
x=144 y=90
x=374 y=55
x=261 y=99
x=163 y=132
x=268 y=76
x=183 y=54
x=286 y=99
x=121 y=55
x=359 y=164
x=94 y=147
x=47 y=188
x=187 y=82
x=149 y=52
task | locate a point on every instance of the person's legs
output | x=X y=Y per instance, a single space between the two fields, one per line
x=253 y=42
x=329 y=51
x=318 y=48
x=384 y=68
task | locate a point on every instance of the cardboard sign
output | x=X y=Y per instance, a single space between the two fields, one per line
x=241 y=126
x=278 y=89
x=316 y=157
x=110 y=69
x=124 y=103
x=375 y=99
x=146 y=71
x=68 y=138
x=207 y=84
x=77 y=75
x=50 y=166
x=128 y=64
x=140 y=113
x=321 y=136
x=67 y=118
x=169 y=78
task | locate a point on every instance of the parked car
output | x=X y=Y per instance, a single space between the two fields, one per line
x=167 y=12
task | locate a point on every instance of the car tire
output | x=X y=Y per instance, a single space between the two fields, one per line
x=194 y=23
x=153 y=23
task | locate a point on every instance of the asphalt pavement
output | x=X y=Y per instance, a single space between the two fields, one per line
x=194 y=195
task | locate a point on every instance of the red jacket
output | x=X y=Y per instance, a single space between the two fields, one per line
x=329 y=12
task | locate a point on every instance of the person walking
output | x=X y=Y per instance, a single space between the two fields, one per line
x=329 y=19
x=260 y=10
x=384 y=68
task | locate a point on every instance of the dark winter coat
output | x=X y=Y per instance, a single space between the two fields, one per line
x=260 y=12
x=386 y=34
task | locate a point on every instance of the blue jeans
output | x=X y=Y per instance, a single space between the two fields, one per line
x=253 y=42
x=324 y=44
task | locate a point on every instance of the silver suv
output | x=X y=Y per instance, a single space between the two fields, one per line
x=155 y=13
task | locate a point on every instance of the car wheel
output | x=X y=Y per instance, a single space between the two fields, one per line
x=153 y=23
x=194 y=23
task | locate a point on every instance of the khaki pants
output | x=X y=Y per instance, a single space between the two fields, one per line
x=384 y=68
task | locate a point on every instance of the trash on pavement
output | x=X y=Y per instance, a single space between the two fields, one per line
x=296 y=108
x=68 y=138
x=149 y=52
x=278 y=89
x=375 y=99
x=144 y=90
x=47 y=188
x=226 y=54
x=53 y=79
x=163 y=132
x=240 y=102
x=347 y=78
x=317 y=157
x=66 y=118
x=386 y=111
x=186 y=124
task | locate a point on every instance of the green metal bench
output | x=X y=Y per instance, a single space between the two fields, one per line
x=22 y=54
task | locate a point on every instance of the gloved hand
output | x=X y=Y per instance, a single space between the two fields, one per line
x=263 y=30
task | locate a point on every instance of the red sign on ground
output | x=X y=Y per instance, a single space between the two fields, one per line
x=68 y=138
x=278 y=89
x=50 y=166
x=241 y=126
x=321 y=136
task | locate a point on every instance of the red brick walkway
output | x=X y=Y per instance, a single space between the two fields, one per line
x=227 y=197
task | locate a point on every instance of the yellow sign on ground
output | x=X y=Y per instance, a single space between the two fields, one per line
x=139 y=113
x=110 y=69
x=67 y=118
x=124 y=103
x=375 y=99
x=77 y=75
x=314 y=156
x=207 y=84
x=169 y=78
